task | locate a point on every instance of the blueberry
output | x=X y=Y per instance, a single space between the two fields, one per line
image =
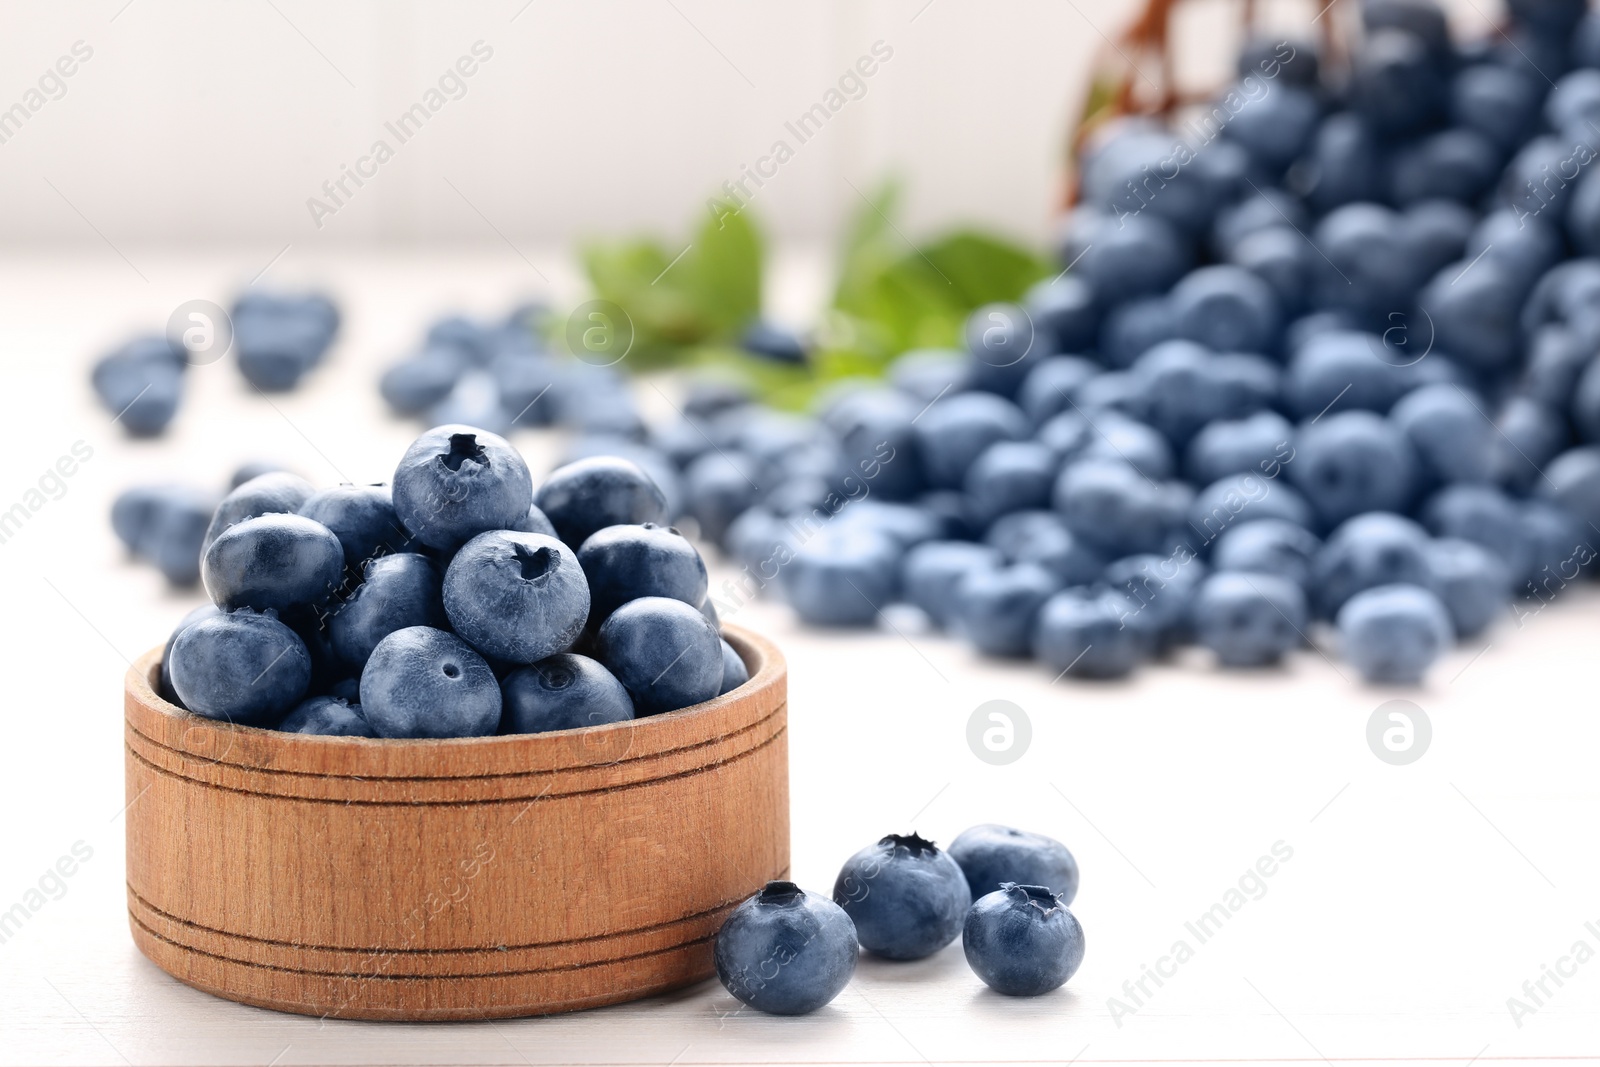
x=1394 y=633
x=1119 y=161
x=1368 y=551
x=1048 y=389
x=141 y=385
x=399 y=590
x=241 y=667
x=1482 y=514
x=1010 y=476
x=925 y=374
x=1531 y=435
x=1004 y=348
x=931 y=572
x=1499 y=103
x=1269 y=208
x=277 y=492
x=1228 y=309
x=1274 y=126
x=1065 y=314
x=1133 y=327
x=1134 y=255
x=665 y=652
x=1043 y=537
x=1342 y=164
x=1240 y=499
x=1236 y=446
x=1572 y=480
x=1022 y=940
x=1116 y=437
x=996 y=606
x=1249 y=619
x=1448 y=431
x=1088 y=633
x=624 y=563
x=1159 y=591
x=362 y=518
x=1113 y=508
x=875 y=433
x=601 y=491
x=1268 y=546
x=562 y=692
x=952 y=432
x=418 y=383
x=254 y=469
x=773 y=342
x=1395 y=83
x=1473 y=584
x=327 y=715
x=422 y=682
x=166 y=525
x=843 y=575
x=455 y=482
x=204 y=611
x=1474 y=313
x=1438 y=231
x=990 y=854
x=468 y=337
x=1453 y=164
x=1366 y=268
x=517 y=597
x=1348 y=369
x=785 y=951
x=1183 y=387
x=535 y=521
x=275 y=352
x=1560 y=547
x=906 y=896
x=273 y=561
x=1280 y=257
x=1353 y=462
x=733 y=669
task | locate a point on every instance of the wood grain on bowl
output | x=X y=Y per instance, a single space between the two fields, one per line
x=460 y=879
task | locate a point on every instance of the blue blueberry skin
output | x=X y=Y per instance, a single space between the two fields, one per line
x=165 y=525
x=1159 y=590
x=906 y=896
x=601 y=491
x=1236 y=446
x=1010 y=476
x=273 y=561
x=1240 y=499
x=1572 y=481
x=274 y=353
x=1183 y=386
x=1342 y=163
x=1345 y=368
x=141 y=385
x=666 y=653
x=1453 y=164
x=843 y=575
x=1048 y=389
x=417 y=383
x=1474 y=313
x=872 y=424
x=1394 y=633
x=1001 y=338
x=327 y=715
x=274 y=493
x=1531 y=435
x=254 y=468
x=926 y=373
x=1227 y=309
x=1065 y=314
x=1268 y=209
x=563 y=692
x=204 y=611
x=648 y=458
x=398 y=590
x=1353 y=462
x=466 y=336
x=1275 y=126
x=623 y=563
x=535 y=522
x=1268 y=546
x=1369 y=270
x=1022 y=940
x=931 y=572
x=516 y=597
x=362 y=518
x=1091 y=634
x=1395 y=83
x=1249 y=620
x=240 y=667
x=1560 y=547
x=1113 y=508
x=455 y=482
x=1280 y=257
x=990 y=854
x=1134 y=327
x=773 y=342
x=1473 y=584
x=1043 y=537
x=1368 y=551
x=422 y=682
x=525 y=381
x=1136 y=255
x=785 y=951
x=1449 y=432
x=1438 y=230
x=1483 y=514
x=1496 y=101
x=996 y=607
x=734 y=671
x=953 y=431
x=1117 y=164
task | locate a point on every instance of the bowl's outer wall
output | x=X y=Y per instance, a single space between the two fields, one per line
x=449 y=880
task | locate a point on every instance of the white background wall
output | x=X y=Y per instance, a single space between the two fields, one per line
x=207 y=121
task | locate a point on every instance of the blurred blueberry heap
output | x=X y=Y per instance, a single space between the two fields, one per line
x=278 y=339
x=1323 y=351
x=165 y=525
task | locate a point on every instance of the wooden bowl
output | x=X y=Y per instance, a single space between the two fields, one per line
x=463 y=879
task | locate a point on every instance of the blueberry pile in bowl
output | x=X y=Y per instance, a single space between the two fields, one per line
x=1004 y=892
x=1321 y=360
x=460 y=601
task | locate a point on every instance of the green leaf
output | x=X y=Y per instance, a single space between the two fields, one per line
x=722 y=273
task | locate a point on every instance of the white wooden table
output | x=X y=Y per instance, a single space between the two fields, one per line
x=1417 y=900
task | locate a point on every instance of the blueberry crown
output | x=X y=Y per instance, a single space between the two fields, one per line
x=1037 y=896
x=781 y=894
x=914 y=843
